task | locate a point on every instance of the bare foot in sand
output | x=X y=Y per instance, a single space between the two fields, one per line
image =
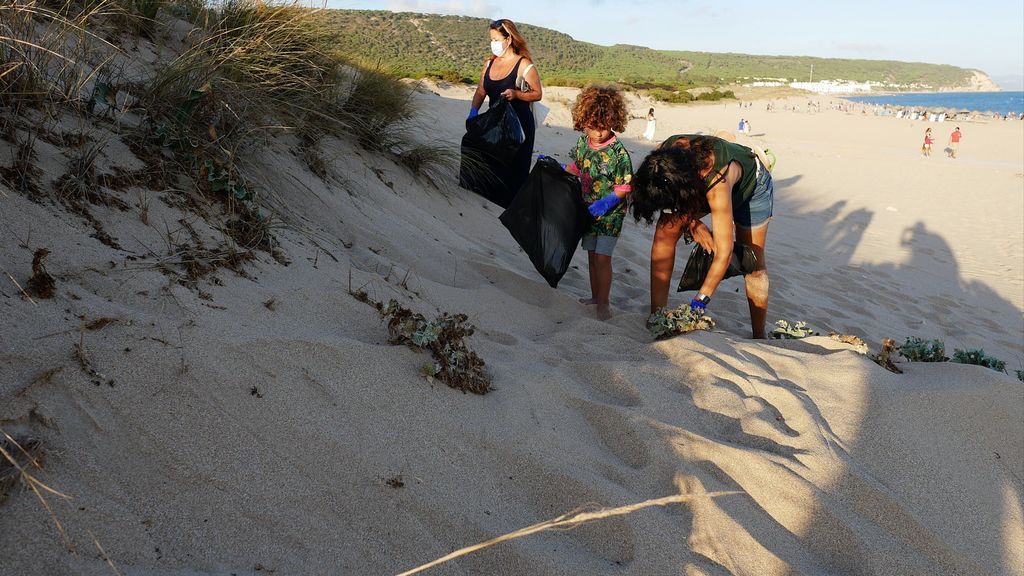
x=604 y=312
x=588 y=301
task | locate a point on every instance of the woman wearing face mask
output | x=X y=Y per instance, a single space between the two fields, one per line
x=503 y=77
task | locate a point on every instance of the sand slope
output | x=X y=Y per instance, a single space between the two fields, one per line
x=239 y=439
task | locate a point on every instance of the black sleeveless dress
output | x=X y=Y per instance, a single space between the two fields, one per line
x=514 y=175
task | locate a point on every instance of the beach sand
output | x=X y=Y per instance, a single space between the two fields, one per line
x=262 y=424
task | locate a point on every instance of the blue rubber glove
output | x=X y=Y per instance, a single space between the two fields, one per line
x=602 y=206
x=473 y=113
x=543 y=156
x=698 y=306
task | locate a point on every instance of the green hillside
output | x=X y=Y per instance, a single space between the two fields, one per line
x=417 y=45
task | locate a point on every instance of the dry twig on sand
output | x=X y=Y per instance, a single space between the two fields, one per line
x=104 y=555
x=16 y=459
x=567 y=522
x=85 y=362
x=99 y=323
x=884 y=357
x=22 y=290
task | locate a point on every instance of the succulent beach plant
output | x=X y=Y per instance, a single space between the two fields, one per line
x=917 y=350
x=668 y=322
x=454 y=363
x=785 y=330
x=978 y=358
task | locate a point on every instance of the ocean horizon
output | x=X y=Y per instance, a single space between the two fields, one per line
x=998 y=102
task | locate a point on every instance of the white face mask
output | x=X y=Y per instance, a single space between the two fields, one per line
x=498 y=47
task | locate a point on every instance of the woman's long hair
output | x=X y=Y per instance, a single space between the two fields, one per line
x=508 y=30
x=670 y=179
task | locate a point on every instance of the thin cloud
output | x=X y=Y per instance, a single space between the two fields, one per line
x=456 y=7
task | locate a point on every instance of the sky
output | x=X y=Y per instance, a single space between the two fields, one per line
x=987 y=35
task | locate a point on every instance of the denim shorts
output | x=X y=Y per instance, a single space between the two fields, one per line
x=757 y=211
x=600 y=244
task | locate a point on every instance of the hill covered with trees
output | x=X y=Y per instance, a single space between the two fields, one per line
x=454 y=47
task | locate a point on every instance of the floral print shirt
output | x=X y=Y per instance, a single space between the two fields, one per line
x=603 y=171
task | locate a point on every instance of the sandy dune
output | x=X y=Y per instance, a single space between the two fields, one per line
x=242 y=438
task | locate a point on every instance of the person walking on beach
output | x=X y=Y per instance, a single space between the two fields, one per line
x=688 y=177
x=606 y=174
x=926 y=148
x=649 y=132
x=954 y=142
x=509 y=73
x=739 y=127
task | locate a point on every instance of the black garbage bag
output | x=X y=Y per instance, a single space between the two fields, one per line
x=483 y=173
x=548 y=218
x=498 y=130
x=743 y=262
x=489 y=148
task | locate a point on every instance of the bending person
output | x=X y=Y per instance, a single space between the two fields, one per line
x=510 y=74
x=691 y=176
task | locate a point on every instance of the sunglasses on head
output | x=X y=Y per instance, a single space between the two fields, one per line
x=498 y=25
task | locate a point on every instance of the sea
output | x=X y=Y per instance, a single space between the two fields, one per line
x=998 y=102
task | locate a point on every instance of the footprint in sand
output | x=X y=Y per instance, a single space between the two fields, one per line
x=500 y=338
x=616 y=431
x=550 y=494
x=609 y=383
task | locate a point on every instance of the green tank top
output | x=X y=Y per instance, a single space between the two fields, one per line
x=725 y=153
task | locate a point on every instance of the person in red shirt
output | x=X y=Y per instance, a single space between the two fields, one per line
x=926 y=148
x=954 y=142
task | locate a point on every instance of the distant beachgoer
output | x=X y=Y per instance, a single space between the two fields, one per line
x=606 y=173
x=651 y=124
x=746 y=126
x=739 y=127
x=926 y=148
x=954 y=142
x=509 y=73
x=687 y=177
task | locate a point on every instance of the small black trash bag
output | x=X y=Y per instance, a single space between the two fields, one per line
x=489 y=147
x=743 y=262
x=548 y=218
x=498 y=130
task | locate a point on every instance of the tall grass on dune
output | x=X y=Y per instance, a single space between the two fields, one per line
x=380 y=112
x=45 y=50
x=378 y=108
x=247 y=68
x=254 y=67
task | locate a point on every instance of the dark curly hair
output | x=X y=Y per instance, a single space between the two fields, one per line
x=669 y=178
x=599 y=107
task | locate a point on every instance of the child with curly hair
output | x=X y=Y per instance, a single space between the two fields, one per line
x=606 y=172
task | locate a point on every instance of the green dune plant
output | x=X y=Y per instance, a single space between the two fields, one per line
x=978 y=357
x=917 y=350
x=444 y=337
x=785 y=330
x=668 y=322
